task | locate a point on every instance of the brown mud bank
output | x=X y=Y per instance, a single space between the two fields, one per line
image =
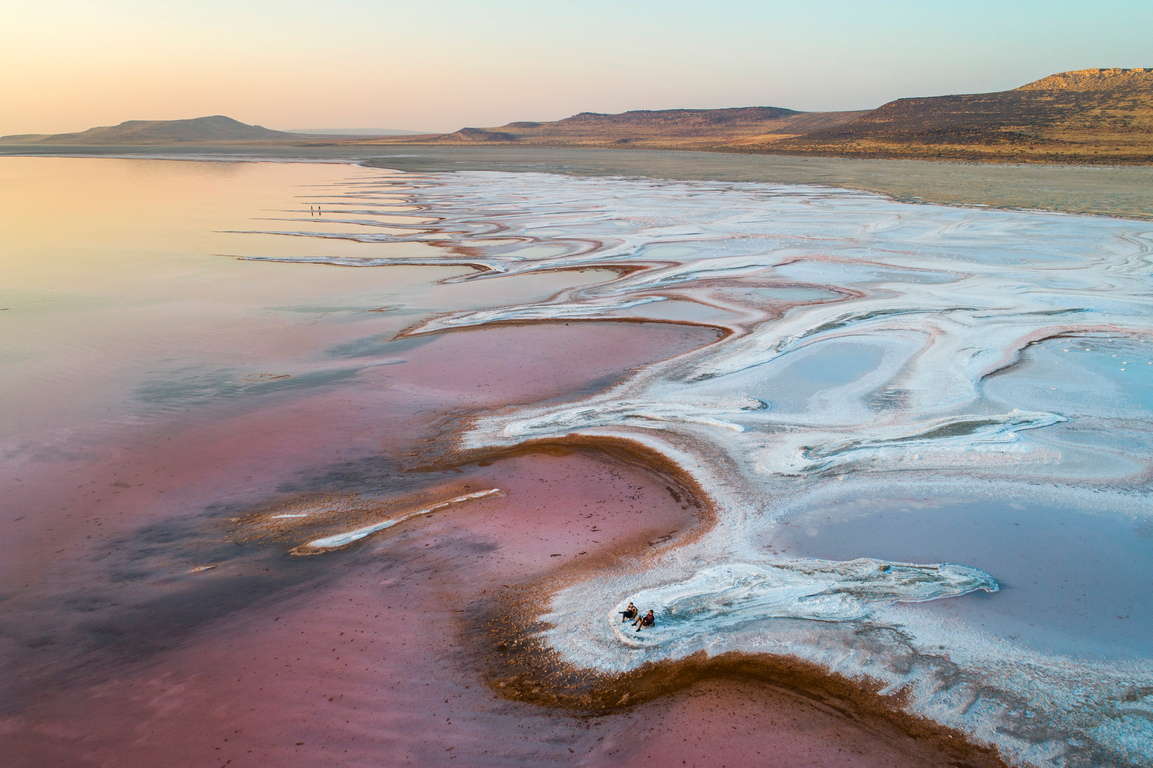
x=504 y=633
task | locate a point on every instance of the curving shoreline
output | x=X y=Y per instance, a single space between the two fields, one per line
x=899 y=313
x=776 y=362
x=521 y=667
x=509 y=638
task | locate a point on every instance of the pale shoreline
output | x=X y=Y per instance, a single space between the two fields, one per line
x=1118 y=191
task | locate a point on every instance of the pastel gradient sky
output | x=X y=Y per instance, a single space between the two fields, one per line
x=442 y=64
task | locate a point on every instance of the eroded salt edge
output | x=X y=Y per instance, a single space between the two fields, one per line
x=340 y=540
x=944 y=298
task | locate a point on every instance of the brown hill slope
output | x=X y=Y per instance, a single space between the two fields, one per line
x=1087 y=116
x=134 y=132
x=1093 y=115
x=666 y=128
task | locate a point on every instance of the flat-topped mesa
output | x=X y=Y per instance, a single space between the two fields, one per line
x=1091 y=115
x=657 y=128
x=214 y=128
x=476 y=135
x=679 y=117
x=1094 y=80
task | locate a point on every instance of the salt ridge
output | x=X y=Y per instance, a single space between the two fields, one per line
x=919 y=306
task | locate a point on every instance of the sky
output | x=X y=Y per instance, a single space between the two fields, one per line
x=439 y=65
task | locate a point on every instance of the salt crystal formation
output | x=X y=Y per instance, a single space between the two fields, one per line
x=871 y=344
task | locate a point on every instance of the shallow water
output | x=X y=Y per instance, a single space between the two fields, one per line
x=908 y=403
x=1073 y=581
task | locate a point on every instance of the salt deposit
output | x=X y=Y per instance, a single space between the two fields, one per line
x=870 y=344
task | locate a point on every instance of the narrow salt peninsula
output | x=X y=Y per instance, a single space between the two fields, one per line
x=341 y=540
x=922 y=356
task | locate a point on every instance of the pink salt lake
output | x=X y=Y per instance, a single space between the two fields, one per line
x=156 y=388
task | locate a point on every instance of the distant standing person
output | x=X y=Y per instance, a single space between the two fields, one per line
x=647 y=620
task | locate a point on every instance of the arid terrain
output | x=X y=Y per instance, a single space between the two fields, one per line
x=1092 y=116
x=662 y=129
x=1088 y=116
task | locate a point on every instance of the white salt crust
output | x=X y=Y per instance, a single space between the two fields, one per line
x=341 y=540
x=862 y=335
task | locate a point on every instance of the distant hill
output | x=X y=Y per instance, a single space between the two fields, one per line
x=357 y=132
x=1086 y=116
x=1092 y=115
x=217 y=128
x=666 y=128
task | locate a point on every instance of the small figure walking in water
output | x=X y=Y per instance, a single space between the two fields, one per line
x=629 y=613
x=647 y=620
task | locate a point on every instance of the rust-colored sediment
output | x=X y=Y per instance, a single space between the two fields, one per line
x=506 y=633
